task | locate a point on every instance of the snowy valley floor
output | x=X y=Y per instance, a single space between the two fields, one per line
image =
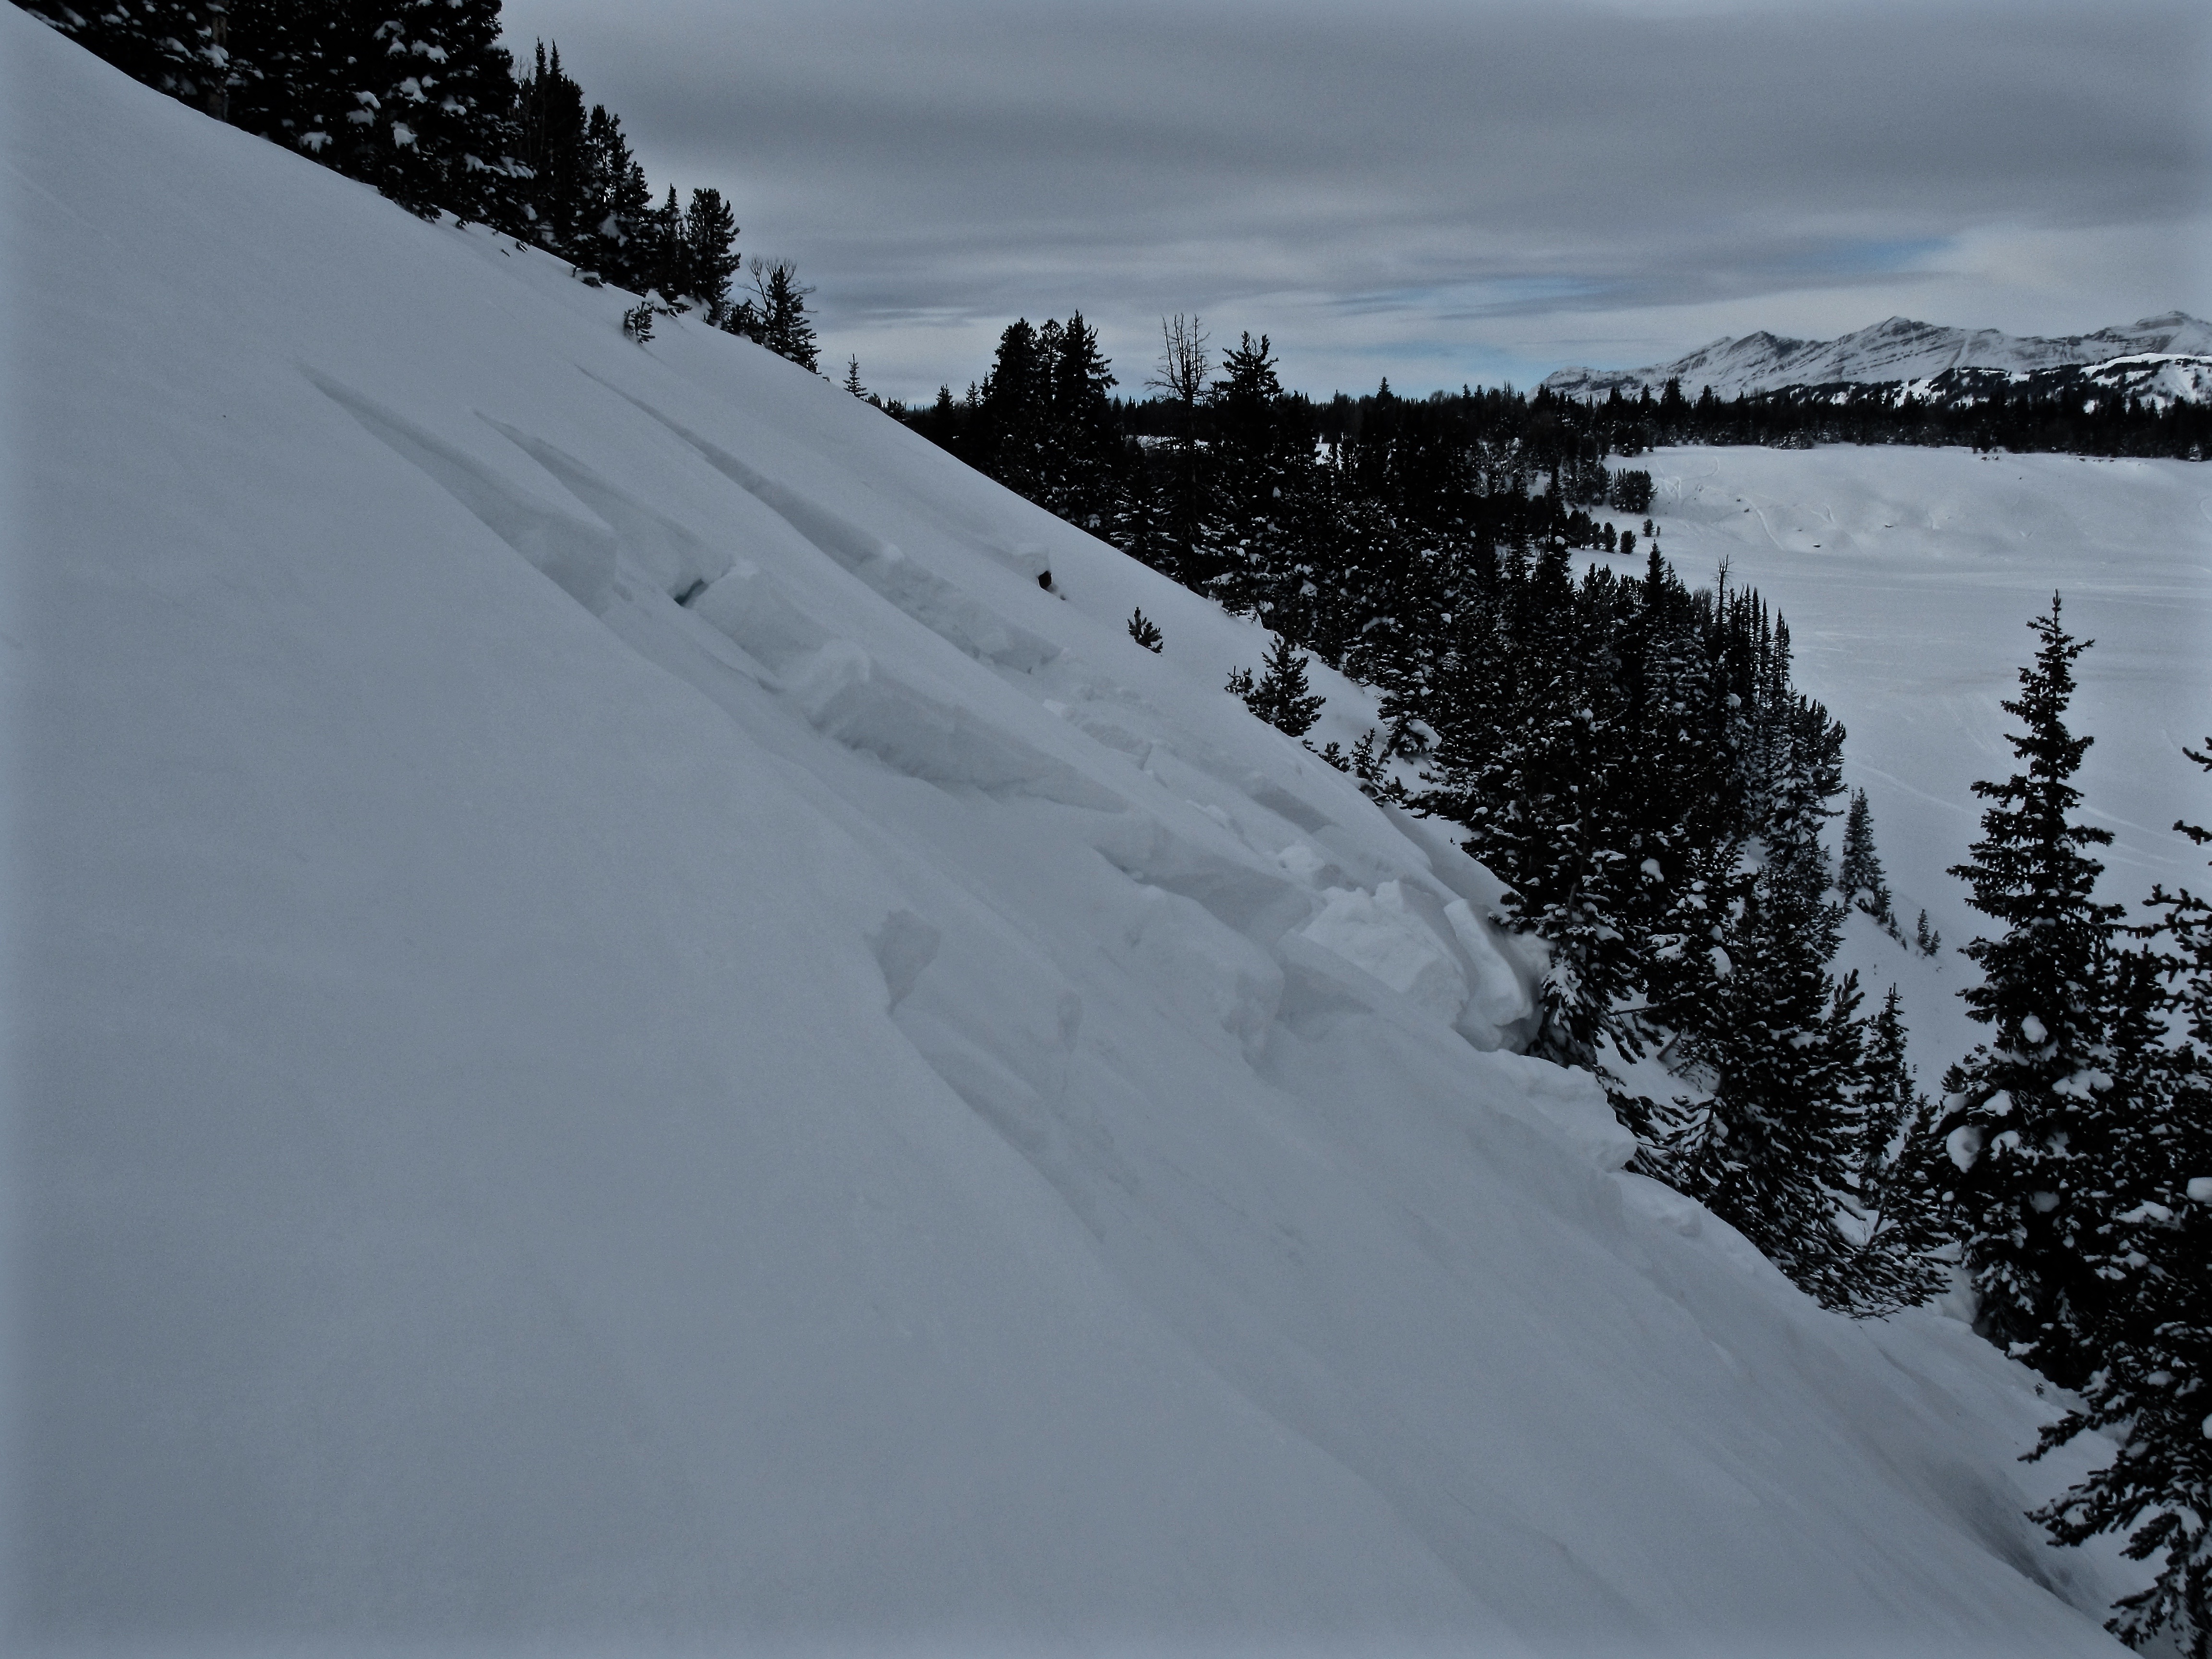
x=859 y=1111
x=1908 y=577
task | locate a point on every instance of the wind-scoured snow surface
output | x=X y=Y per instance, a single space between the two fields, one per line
x=1902 y=349
x=859 y=1112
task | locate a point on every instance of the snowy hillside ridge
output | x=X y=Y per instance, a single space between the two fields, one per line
x=1898 y=349
x=630 y=1034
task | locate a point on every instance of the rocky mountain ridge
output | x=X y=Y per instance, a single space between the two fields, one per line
x=1895 y=350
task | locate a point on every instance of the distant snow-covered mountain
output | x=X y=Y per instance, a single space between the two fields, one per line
x=1898 y=349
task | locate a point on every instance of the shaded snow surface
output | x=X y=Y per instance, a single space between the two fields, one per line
x=863 y=1112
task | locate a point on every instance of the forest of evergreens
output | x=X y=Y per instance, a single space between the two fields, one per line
x=1627 y=752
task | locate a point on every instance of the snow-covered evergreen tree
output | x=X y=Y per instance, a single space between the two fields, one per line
x=2028 y=1114
x=179 y=46
x=415 y=97
x=1898 y=1260
x=1281 y=697
x=2151 y=1384
x=1859 y=875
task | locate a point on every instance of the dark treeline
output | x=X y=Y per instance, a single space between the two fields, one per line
x=419 y=99
x=2071 y=1155
x=2058 y=411
x=1630 y=755
x=1627 y=753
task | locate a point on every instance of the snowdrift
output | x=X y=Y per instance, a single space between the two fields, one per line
x=627 y=1034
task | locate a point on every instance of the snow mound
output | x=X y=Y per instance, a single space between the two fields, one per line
x=625 y=1037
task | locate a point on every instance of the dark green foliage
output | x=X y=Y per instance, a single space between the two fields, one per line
x=419 y=99
x=586 y=197
x=1894 y=1209
x=2027 y=1114
x=774 y=313
x=1631 y=492
x=2149 y=1252
x=1145 y=631
x=710 y=239
x=1281 y=697
x=1859 y=877
x=178 y=47
x=415 y=97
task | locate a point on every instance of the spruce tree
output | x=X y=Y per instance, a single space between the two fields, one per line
x=2025 y=1114
x=1281 y=697
x=1897 y=1261
x=548 y=108
x=414 y=97
x=1145 y=631
x=664 y=254
x=1261 y=461
x=614 y=207
x=1086 y=480
x=176 y=46
x=2152 y=1257
x=1782 y=1047
x=710 y=236
x=775 y=312
x=1859 y=877
x=1015 y=435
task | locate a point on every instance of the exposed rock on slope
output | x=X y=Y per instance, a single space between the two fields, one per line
x=1898 y=349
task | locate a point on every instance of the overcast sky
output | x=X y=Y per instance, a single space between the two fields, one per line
x=1433 y=190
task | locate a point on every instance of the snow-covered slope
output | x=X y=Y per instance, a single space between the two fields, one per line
x=624 y=1036
x=1896 y=350
x=1907 y=576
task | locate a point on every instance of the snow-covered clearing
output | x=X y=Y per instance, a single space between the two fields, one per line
x=1907 y=577
x=859 y=1111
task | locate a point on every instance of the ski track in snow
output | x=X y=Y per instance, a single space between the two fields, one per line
x=625 y=1037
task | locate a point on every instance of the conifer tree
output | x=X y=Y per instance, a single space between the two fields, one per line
x=2152 y=1380
x=176 y=46
x=1085 y=478
x=710 y=236
x=774 y=313
x=1897 y=1261
x=550 y=121
x=1281 y=697
x=415 y=97
x=1782 y=1047
x=1261 y=462
x=1014 y=434
x=665 y=256
x=615 y=204
x=1859 y=875
x=2025 y=1114
x=1145 y=631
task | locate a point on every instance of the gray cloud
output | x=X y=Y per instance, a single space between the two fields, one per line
x=1438 y=191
